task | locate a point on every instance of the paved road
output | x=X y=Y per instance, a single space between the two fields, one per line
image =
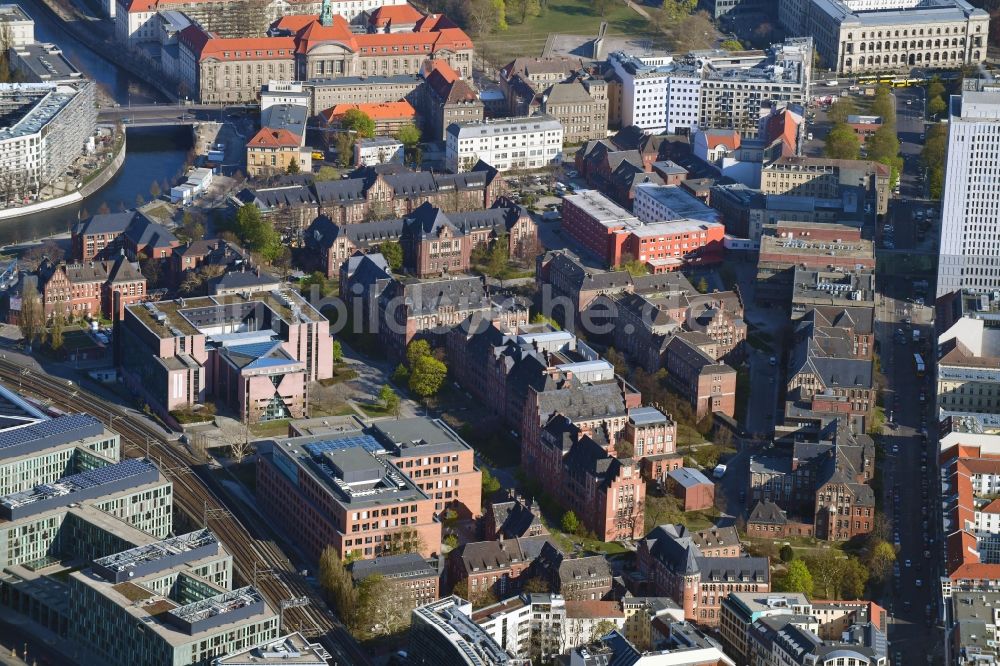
x=763 y=399
x=910 y=489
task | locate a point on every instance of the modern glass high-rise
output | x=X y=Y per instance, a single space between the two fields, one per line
x=969 y=255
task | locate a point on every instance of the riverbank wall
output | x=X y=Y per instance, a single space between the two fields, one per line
x=88 y=188
x=114 y=53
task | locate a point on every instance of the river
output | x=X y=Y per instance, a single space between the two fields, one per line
x=152 y=153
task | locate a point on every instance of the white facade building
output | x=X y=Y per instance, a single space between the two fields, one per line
x=47 y=127
x=854 y=36
x=711 y=88
x=20 y=26
x=378 y=150
x=530 y=142
x=968 y=258
x=284 y=92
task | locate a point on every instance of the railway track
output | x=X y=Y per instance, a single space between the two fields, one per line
x=257 y=558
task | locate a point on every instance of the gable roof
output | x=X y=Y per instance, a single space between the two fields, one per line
x=274 y=138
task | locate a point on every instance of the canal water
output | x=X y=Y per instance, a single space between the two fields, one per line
x=152 y=153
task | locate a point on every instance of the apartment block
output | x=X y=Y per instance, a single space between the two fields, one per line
x=711 y=89
x=255 y=351
x=443 y=633
x=510 y=143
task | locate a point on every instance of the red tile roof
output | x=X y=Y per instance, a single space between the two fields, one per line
x=375 y=111
x=593 y=608
x=208 y=47
x=395 y=15
x=428 y=38
x=274 y=138
x=992 y=507
x=728 y=138
x=443 y=69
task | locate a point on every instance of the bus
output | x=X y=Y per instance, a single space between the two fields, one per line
x=919 y=362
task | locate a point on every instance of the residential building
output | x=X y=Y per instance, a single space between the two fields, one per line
x=826 y=178
x=855 y=36
x=674 y=566
x=45 y=127
x=708 y=385
x=519 y=624
x=389 y=117
x=574 y=578
x=381 y=192
x=972 y=624
x=410 y=576
x=516 y=517
x=740 y=610
x=523 y=80
x=792 y=639
x=92 y=290
x=695 y=490
x=106 y=235
x=580 y=106
x=493 y=566
x=658 y=203
x=443 y=633
x=278 y=651
x=509 y=143
x=18 y=25
x=965 y=257
x=377 y=150
x=446 y=98
x=273 y=151
x=678 y=644
x=255 y=351
x=968 y=373
x=433 y=308
x=711 y=89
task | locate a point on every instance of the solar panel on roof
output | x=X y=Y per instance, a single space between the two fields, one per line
x=49 y=428
x=255 y=349
x=367 y=442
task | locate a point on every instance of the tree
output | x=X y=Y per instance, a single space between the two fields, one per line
x=408 y=135
x=539 y=318
x=842 y=143
x=56 y=328
x=616 y=359
x=840 y=110
x=787 y=553
x=826 y=570
x=416 y=350
x=798 y=578
x=343 y=143
x=293 y=166
x=935 y=144
x=258 y=234
x=154 y=190
x=192 y=226
x=139 y=200
x=338 y=351
x=702 y=286
x=484 y=597
x=936 y=106
x=880 y=559
x=392 y=251
x=32 y=316
x=451 y=541
x=602 y=628
x=389 y=399
x=400 y=375
x=359 y=122
x=569 y=523
x=624 y=449
x=381 y=609
x=525 y=8
x=337 y=584
x=326 y=173
x=884 y=107
x=634 y=267
x=853 y=579
x=427 y=376
x=490 y=483
x=536 y=585
x=731 y=45
x=33 y=257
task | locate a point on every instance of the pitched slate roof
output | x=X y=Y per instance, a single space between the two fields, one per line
x=768 y=513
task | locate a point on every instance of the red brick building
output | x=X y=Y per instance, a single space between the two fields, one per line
x=597 y=223
x=669 y=246
x=692 y=368
x=93 y=289
x=695 y=491
x=493 y=566
x=103 y=236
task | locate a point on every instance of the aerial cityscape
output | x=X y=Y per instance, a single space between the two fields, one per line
x=499 y=332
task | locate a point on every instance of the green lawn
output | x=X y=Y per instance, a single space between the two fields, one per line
x=575 y=17
x=277 y=428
